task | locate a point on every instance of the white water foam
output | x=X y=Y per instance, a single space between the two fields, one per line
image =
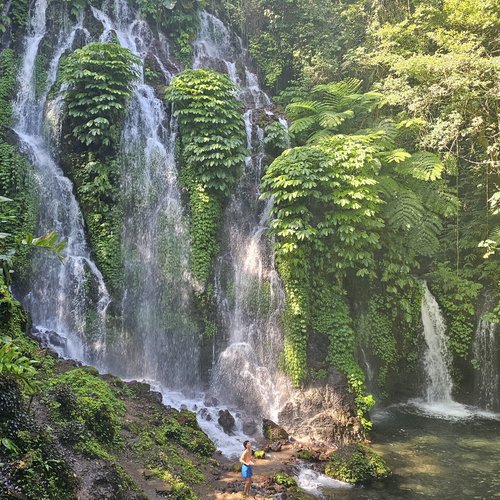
x=313 y=482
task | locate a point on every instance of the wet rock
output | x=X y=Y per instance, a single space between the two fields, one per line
x=273 y=431
x=49 y=338
x=211 y=401
x=226 y=421
x=323 y=417
x=205 y=415
x=276 y=446
x=249 y=427
x=156 y=396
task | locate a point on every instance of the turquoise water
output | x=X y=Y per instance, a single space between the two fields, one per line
x=433 y=455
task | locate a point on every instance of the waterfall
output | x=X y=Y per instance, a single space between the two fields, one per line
x=149 y=333
x=58 y=302
x=249 y=294
x=487 y=379
x=439 y=383
x=156 y=339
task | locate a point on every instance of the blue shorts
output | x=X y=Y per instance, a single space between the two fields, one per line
x=246 y=471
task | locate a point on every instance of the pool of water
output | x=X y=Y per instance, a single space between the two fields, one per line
x=433 y=454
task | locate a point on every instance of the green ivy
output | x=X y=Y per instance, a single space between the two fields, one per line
x=97 y=183
x=180 y=19
x=212 y=153
x=100 y=77
x=457 y=297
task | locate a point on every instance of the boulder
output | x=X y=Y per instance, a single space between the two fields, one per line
x=226 y=421
x=249 y=427
x=322 y=416
x=276 y=446
x=210 y=401
x=273 y=431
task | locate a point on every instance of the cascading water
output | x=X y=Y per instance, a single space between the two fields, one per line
x=440 y=385
x=487 y=379
x=156 y=340
x=250 y=298
x=150 y=334
x=58 y=301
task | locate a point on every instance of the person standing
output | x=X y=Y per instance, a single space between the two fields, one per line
x=246 y=466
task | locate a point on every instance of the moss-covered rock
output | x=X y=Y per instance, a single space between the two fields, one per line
x=273 y=431
x=358 y=465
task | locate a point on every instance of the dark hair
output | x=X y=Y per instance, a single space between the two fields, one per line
x=245 y=443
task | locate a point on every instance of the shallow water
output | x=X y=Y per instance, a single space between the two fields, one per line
x=433 y=455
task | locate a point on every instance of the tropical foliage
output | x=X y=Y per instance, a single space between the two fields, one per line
x=100 y=77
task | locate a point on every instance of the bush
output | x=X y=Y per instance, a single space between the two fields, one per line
x=360 y=466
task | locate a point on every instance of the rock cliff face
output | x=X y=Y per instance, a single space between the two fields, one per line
x=322 y=415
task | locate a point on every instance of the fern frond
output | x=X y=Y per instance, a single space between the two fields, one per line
x=404 y=210
x=423 y=165
x=303 y=123
x=425 y=236
x=388 y=186
x=297 y=109
x=439 y=200
x=395 y=156
x=331 y=119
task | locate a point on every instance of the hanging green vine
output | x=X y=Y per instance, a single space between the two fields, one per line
x=212 y=153
x=100 y=78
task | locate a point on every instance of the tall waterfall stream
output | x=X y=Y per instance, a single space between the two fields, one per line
x=154 y=339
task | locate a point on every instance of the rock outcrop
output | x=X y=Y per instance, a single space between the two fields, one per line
x=322 y=414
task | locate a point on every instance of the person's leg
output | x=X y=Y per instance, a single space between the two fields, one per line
x=248 y=482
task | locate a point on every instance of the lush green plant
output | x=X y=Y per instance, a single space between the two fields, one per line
x=13 y=363
x=359 y=466
x=185 y=430
x=284 y=480
x=97 y=183
x=212 y=153
x=100 y=78
x=328 y=106
x=276 y=138
x=180 y=19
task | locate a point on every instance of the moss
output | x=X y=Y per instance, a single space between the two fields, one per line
x=360 y=465
x=85 y=398
x=306 y=455
x=188 y=434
